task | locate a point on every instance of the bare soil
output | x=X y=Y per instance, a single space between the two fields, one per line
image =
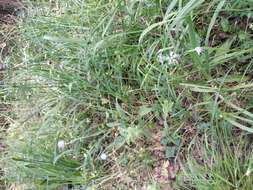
x=9 y=6
x=8 y=9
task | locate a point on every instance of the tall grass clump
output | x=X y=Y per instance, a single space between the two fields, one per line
x=116 y=94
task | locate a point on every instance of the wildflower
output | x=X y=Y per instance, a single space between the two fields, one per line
x=160 y=58
x=88 y=120
x=251 y=26
x=2 y=45
x=172 y=58
x=61 y=144
x=247 y=172
x=199 y=50
x=103 y=156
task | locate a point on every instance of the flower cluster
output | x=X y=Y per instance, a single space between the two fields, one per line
x=173 y=58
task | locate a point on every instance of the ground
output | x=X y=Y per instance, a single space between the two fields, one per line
x=8 y=9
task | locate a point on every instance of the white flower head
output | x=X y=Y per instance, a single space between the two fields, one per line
x=199 y=50
x=61 y=144
x=88 y=120
x=103 y=156
x=160 y=58
x=248 y=172
x=172 y=58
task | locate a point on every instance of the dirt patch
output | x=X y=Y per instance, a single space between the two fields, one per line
x=9 y=6
x=8 y=10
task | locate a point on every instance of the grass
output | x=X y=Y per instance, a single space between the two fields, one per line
x=123 y=79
